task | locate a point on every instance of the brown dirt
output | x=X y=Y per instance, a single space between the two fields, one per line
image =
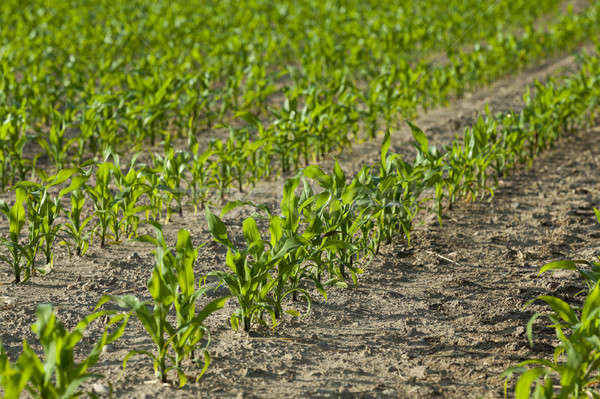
x=440 y=319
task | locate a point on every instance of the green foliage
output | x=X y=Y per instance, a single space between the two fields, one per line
x=37 y=207
x=574 y=371
x=63 y=79
x=171 y=169
x=301 y=81
x=335 y=227
x=54 y=143
x=43 y=210
x=16 y=218
x=173 y=287
x=576 y=361
x=13 y=138
x=105 y=200
x=58 y=375
x=75 y=226
x=330 y=216
x=258 y=274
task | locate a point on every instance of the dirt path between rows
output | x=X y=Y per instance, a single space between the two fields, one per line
x=440 y=319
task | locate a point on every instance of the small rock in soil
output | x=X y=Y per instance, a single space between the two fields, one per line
x=100 y=389
x=520 y=330
x=108 y=348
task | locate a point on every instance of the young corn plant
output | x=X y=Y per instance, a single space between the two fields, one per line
x=75 y=226
x=335 y=220
x=173 y=287
x=104 y=198
x=248 y=281
x=172 y=166
x=44 y=209
x=58 y=374
x=12 y=142
x=258 y=274
x=574 y=371
x=16 y=219
x=54 y=143
x=199 y=173
x=294 y=257
x=241 y=151
x=302 y=263
x=35 y=202
x=294 y=263
x=391 y=198
x=430 y=162
x=575 y=368
x=222 y=171
x=130 y=188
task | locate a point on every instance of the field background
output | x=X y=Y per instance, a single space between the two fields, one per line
x=441 y=317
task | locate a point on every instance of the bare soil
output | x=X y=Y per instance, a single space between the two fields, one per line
x=442 y=318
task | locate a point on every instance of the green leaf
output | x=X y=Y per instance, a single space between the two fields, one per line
x=561 y=308
x=385 y=146
x=276 y=229
x=249 y=117
x=349 y=194
x=206 y=356
x=592 y=303
x=315 y=172
x=523 y=387
x=419 y=136
x=250 y=230
x=76 y=183
x=210 y=308
x=561 y=264
x=530 y=327
x=290 y=244
x=289 y=202
x=186 y=256
x=340 y=177
x=292 y=312
x=217 y=229
x=17 y=212
x=61 y=176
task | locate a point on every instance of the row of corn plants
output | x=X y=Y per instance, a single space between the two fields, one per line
x=327 y=228
x=322 y=237
x=574 y=370
x=119 y=196
x=89 y=104
x=178 y=345
x=175 y=177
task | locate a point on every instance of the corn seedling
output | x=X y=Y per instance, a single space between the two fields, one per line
x=75 y=226
x=172 y=286
x=172 y=167
x=250 y=278
x=16 y=219
x=199 y=177
x=333 y=219
x=58 y=374
x=103 y=198
x=574 y=370
x=54 y=143
x=44 y=209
